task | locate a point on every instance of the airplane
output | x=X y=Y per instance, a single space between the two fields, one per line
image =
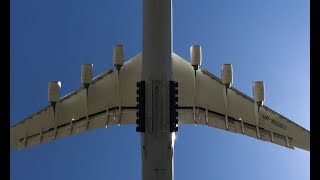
x=133 y=92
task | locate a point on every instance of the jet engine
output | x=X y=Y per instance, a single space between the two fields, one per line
x=86 y=74
x=258 y=92
x=195 y=56
x=226 y=75
x=118 y=57
x=54 y=91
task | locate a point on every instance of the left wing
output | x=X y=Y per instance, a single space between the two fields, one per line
x=111 y=100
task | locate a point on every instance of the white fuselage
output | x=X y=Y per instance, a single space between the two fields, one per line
x=157 y=141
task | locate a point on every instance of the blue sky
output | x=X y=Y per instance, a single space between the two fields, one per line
x=264 y=40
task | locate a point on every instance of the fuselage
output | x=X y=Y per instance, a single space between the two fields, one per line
x=157 y=140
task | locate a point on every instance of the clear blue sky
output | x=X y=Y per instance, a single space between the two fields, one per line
x=264 y=40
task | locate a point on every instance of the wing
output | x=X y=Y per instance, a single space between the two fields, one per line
x=111 y=100
x=202 y=101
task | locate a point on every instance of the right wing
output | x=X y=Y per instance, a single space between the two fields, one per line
x=201 y=101
x=111 y=100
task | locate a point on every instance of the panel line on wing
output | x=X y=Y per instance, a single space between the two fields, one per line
x=77 y=122
x=239 y=126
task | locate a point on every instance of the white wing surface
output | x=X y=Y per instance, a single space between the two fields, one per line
x=111 y=100
x=202 y=101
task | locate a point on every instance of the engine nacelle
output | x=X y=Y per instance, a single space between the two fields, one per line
x=118 y=57
x=195 y=56
x=258 y=92
x=54 y=91
x=86 y=74
x=226 y=75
